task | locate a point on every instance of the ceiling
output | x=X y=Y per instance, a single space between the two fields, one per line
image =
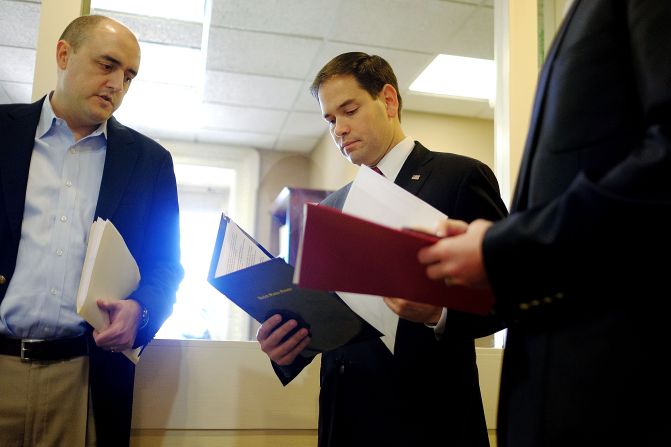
x=241 y=77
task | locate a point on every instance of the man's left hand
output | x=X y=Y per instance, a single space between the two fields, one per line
x=124 y=320
x=414 y=311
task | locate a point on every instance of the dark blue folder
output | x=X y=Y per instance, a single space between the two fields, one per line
x=265 y=289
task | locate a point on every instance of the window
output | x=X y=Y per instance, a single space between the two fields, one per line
x=219 y=180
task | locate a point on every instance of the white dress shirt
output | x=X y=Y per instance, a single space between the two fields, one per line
x=390 y=166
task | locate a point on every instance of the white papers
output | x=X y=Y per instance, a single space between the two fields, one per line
x=380 y=200
x=110 y=272
x=238 y=250
x=376 y=198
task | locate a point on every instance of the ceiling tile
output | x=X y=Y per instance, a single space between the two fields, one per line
x=416 y=26
x=475 y=38
x=295 y=143
x=260 y=53
x=18 y=64
x=160 y=30
x=18 y=92
x=168 y=133
x=306 y=102
x=245 y=119
x=4 y=96
x=247 y=139
x=297 y=17
x=14 y=16
x=178 y=10
x=251 y=90
x=305 y=124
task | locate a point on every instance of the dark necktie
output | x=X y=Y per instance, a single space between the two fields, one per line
x=376 y=169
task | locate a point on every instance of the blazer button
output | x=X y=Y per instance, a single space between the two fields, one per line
x=2 y=279
x=341 y=370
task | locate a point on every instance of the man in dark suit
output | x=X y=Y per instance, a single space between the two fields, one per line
x=66 y=161
x=575 y=269
x=370 y=396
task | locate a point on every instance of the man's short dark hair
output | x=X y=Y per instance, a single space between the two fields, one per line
x=79 y=29
x=370 y=71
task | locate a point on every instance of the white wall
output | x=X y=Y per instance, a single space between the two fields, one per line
x=215 y=393
x=460 y=135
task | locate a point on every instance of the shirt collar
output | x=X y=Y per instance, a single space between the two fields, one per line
x=392 y=162
x=48 y=119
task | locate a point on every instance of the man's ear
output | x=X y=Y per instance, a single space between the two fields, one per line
x=390 y=98
x=63 y=50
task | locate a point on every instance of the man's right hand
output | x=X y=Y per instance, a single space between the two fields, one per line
x=270 y=336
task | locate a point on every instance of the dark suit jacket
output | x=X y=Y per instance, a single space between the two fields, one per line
x=138 y=194
x=427 y=393
x=572 y=268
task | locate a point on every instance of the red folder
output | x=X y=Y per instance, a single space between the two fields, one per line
x=341 y=252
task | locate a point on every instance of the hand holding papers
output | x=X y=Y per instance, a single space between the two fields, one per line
x=110 y=272
x=262 y=286
x=345 y=253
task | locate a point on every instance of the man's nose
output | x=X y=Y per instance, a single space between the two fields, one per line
x=340 y=129
x=115 y=80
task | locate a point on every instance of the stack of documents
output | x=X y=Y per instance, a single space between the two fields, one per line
x=110 y=272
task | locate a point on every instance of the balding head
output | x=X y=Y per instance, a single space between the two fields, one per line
x=80 y=29
x=97 y=58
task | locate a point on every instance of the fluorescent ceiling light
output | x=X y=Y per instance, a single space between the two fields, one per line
x=166 y=94
x=463 y=77
x=167 y=64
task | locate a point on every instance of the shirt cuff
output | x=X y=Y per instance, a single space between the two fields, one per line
x=439 y=328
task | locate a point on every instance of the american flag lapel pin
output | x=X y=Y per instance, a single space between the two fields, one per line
x=415 y=177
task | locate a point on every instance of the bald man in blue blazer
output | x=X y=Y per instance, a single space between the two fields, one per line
x=65 y=162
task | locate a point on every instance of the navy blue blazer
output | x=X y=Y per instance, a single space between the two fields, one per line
x=578 y=268
x=138 y=194
x=427 y=393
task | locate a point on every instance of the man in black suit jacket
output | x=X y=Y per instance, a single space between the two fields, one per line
x=427 y=391
x=575 y=269
x=97 y=58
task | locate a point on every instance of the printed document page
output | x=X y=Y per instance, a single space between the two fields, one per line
x=238 y=250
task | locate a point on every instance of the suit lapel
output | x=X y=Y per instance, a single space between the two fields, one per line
x=16 y=149
x=521 y=187
x=415 y=170
x=339 y=197
x=119 y=163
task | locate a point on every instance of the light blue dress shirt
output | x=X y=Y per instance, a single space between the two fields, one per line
x=61 y=197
